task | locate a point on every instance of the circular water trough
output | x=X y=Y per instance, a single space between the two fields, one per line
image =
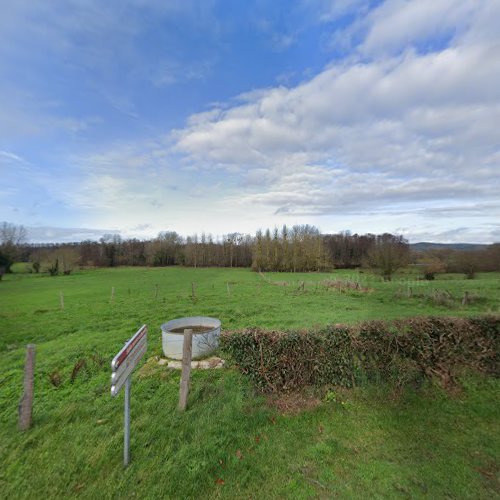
x=206 y=332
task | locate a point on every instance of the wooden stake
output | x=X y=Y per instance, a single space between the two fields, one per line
x=186 y=368
x=26 y=403
x=61 y=298
x=112 y=293
x=193 y=294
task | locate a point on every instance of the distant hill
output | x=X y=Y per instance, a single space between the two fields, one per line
x=424 y=245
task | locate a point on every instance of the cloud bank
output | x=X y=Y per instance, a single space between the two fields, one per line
x=397 y=132
x=405 y=125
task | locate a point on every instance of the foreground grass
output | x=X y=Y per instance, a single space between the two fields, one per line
x=229 y=443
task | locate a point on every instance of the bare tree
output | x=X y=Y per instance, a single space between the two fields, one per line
x=468 y=263
x=431 y=265
x=11 y=236
x=388 y=254
x=68 y=258
x=301 y=249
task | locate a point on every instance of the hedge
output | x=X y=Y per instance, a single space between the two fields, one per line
x=402 y=352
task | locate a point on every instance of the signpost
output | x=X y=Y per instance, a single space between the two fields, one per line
x=122 y=366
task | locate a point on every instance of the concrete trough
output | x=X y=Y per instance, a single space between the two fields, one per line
x=206 y=332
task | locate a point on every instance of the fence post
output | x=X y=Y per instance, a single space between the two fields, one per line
x=112 y=293
x=186 y=368
x=26 y=403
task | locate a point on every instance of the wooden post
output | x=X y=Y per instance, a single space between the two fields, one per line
x=61 y=299
x=112 y=293
x=26 y=403
x=193 y=294
x=465 y=299
x=186 y=368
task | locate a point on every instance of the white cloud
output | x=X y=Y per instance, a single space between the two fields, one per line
x=47 y=234
x=392 y=134
x=396 y=24
x=8 y=158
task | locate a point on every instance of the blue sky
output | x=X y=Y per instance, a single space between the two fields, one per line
x=139 y=116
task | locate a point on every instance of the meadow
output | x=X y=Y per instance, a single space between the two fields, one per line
x=231 y=442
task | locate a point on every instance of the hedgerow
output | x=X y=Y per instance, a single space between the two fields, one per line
x=400 y=352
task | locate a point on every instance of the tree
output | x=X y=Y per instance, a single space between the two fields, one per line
x=346 y=250
x=165 y=249
x=468 y=263
x=112 y=246
x=491 y=258
x=68 y=259
x=11 y=236
x=299 y=249
x=431 y=266
x=233 y=239
x=388 y=254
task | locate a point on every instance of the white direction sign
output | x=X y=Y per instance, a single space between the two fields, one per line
x=126 y=360
x=122 y=366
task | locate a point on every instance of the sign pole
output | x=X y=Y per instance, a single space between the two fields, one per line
x=126 y=447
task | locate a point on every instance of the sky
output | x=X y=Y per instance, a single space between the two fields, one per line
x=141 y=116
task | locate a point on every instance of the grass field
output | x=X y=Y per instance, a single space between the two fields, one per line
x=230 y=443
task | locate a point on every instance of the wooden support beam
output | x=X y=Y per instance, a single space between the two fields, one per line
x=187 y=348
x=26 y=403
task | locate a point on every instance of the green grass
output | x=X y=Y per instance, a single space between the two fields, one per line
x=229 y=443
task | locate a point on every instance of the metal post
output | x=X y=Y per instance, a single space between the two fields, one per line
x=126 y=447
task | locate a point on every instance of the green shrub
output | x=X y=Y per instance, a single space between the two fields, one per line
x=400 y=352
x=287 y=360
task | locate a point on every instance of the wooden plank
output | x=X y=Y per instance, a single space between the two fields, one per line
x=26 y=403
x=186 y=369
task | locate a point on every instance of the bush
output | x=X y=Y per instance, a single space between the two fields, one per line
x=288 y=360
x=53 y=268
x=401 y=352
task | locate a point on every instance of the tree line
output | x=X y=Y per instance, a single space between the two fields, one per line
x=299 y=248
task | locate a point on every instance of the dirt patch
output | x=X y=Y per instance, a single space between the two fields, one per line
x=490 y=472
x=196 y=329
x=293 y=403
x=41 y=311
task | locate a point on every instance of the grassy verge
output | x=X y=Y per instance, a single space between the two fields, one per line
x=361 y=443
x=230 y=443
